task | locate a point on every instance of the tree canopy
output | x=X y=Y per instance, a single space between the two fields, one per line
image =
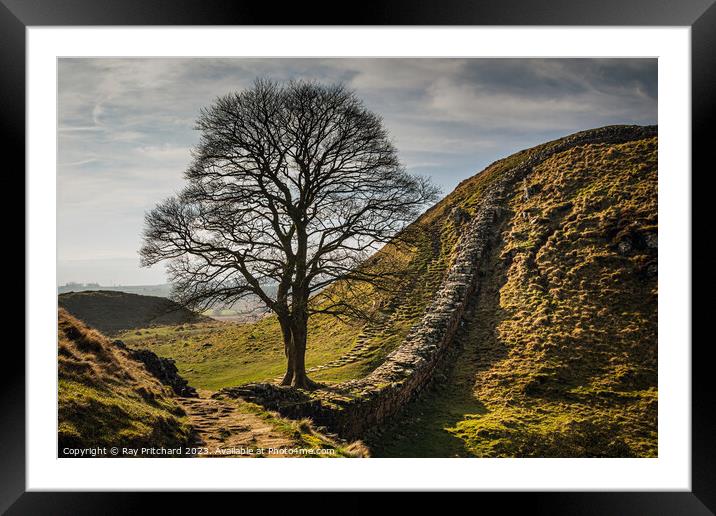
x=291 y=187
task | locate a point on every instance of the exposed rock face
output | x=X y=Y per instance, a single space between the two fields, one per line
x=353 y=408
x=164 y=369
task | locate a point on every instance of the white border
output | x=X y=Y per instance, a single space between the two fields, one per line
x=670 y=471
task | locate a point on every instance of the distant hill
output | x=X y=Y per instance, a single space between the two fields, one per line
x=113 y=312
x=248 y=309
x=163 y=290
x=107 y=399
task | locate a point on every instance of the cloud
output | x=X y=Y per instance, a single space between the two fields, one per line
x=125 y=126
x=79 y=163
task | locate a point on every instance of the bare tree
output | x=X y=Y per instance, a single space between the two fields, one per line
x=290 y=188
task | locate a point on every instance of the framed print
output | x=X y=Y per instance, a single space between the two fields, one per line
x=441 y=248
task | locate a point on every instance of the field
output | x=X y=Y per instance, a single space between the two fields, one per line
x=112 y=312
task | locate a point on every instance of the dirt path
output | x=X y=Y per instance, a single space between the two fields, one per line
x=224 y=428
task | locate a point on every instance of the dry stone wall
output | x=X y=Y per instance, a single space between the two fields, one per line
x=163 y=369
x=353 y=408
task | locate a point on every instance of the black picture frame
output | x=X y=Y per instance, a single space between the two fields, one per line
x=700 y=15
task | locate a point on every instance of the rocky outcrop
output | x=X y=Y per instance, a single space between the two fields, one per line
x=163 y=369
x=353 y=408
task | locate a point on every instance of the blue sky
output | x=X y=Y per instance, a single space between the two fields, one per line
x=126 y=128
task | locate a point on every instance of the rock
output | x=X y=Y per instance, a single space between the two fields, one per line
x=163 y=369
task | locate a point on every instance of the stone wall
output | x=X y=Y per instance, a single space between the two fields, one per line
x=353 y=408
x=163 y=369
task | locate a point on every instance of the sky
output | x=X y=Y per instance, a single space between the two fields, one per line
x=126 y=127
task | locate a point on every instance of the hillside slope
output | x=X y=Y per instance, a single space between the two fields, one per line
x=558 y=352
x=108 y=399
x=112 y=312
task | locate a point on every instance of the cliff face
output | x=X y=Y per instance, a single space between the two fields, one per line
x=548 y=283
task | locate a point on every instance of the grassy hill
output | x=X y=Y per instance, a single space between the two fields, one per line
x=559 y=353
x=163 y=290
x=245 y=310
x=557 y=356
x=107 y=399
x=111 y=312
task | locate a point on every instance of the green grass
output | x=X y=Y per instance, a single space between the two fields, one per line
x=304 y=435
x=91 y=416
x=238 y=353
x=107 y=399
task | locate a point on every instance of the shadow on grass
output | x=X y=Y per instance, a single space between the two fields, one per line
x=423 y=428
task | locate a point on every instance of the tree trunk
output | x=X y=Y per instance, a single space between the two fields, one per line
x=299 y=310
x=299 y=332
x=288 y=350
